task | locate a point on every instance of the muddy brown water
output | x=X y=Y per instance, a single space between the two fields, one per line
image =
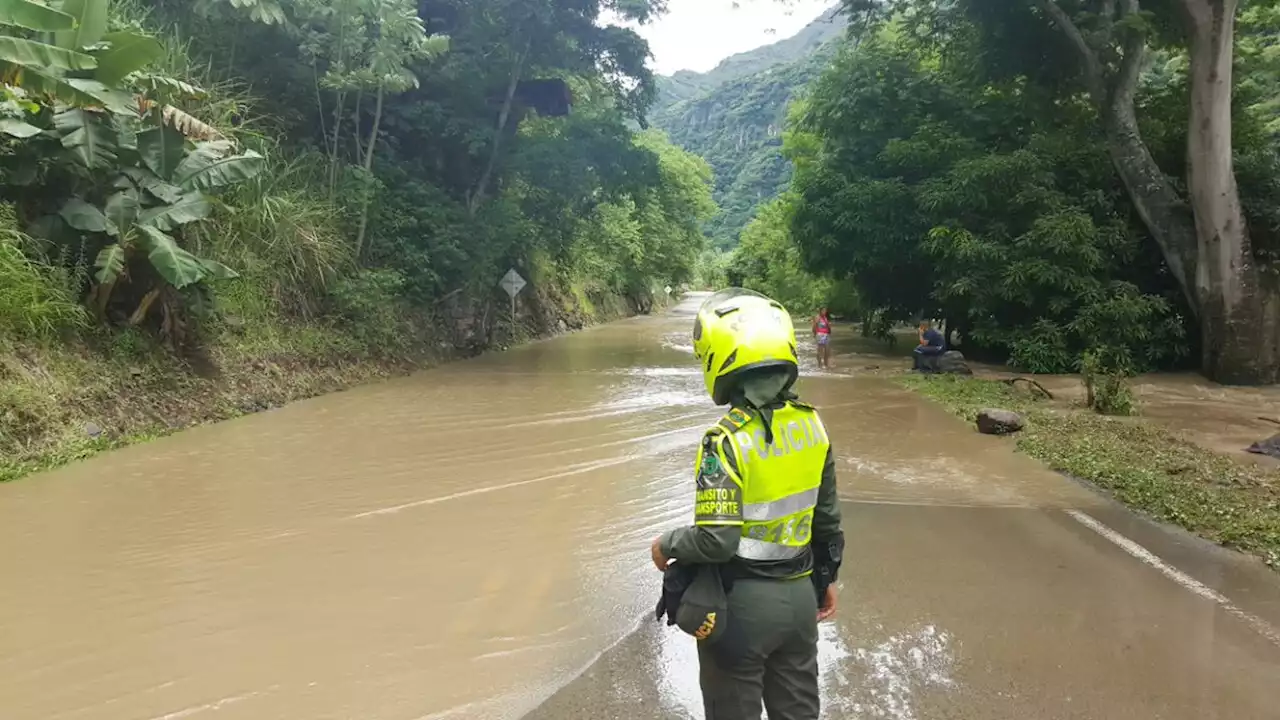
x=472 y=541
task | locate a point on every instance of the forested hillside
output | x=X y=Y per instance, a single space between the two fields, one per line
x=212 y=206
x=733 y=117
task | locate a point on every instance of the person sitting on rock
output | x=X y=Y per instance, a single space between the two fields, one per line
x=931 y=344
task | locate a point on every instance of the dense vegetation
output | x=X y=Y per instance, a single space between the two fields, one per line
x=249 y=181
x=734 y=115
x=150 y=159
x=1031 y=173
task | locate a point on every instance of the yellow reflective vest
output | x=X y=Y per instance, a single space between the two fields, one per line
x=769 y=489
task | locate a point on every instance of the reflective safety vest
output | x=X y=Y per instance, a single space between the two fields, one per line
x=779 y=480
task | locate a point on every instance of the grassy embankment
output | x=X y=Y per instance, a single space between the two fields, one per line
x=1141 y=464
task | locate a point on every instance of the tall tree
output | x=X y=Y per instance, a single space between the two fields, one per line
x=1203 y=235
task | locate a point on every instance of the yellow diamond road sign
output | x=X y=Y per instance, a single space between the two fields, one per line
x=512 y=282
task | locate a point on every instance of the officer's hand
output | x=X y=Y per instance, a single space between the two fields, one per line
x=828 y=607
x=660 y=561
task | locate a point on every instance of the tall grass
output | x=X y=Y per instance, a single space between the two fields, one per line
x=36 y=302
x=280 y=231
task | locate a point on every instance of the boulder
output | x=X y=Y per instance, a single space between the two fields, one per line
x=93 y=430
x=951 y=362
x=1269 y=447
x=999 y=422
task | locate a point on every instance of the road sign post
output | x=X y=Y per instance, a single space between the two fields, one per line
x=513 y=284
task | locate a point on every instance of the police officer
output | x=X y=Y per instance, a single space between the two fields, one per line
x=766 y=511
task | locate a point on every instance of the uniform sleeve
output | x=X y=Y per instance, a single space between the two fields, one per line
x=828 y=535
x=717 y=527
x=826 y=516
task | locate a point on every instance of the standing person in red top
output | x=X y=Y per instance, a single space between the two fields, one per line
x=822 y=332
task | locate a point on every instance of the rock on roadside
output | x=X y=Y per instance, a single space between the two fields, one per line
x=999 y=422
x=1270 y=446
x=951 y=362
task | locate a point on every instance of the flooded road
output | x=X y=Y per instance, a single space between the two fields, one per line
x=472 y=542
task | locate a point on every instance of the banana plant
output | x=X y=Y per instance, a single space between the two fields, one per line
x=85 y=64
x=160 y=183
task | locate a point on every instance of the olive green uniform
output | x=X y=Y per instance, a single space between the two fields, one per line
x=773 y=602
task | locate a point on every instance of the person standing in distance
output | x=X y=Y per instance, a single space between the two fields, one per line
x=766 y=512
x=822 y=333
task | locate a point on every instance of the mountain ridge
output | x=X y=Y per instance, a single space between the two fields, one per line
x=687 y=84
x=733 y=117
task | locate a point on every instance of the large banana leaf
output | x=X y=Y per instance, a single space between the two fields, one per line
x=122 y=211
x=215 y=270
x=90 y=140
x=165 y=88
x=162 y=149
x=128 y=52
x=179 y=267
x=110 y=264
x=34 y=16
x=78 y=92
x=83 y=216
x=146 y=180
x=91 y=23
x=207 y=167
x=32 y=54
x=19 y=129
x=126 y=128
x=192 y=207
x=117 y=101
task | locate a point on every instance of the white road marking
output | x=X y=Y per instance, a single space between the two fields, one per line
x=1260 y=626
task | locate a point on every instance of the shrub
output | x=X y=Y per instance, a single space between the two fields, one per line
x=1106 y=372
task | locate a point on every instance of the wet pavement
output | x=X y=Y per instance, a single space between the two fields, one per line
x=472 y=542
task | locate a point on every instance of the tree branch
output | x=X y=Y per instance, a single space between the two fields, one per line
x=1094 y=77
x=1135 y=50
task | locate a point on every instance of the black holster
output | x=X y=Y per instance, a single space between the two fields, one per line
x=828 y=554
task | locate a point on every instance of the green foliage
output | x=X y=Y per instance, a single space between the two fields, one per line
x=368 y=303
x=768 y=260
x=164 y=177
x=995 y=207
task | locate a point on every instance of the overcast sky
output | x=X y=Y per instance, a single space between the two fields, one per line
x=698 y=34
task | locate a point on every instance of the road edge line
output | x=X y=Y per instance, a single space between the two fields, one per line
x=1257 y=624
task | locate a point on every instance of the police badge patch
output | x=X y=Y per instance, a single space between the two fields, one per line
x=710 y=464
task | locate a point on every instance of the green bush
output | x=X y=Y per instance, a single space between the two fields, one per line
x=368 y=304
x=1106 y=372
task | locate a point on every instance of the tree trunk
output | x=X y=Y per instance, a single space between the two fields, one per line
x=476 y=198
x=339 y=107
x=1113 y=93
x=1240 y=306
x=1163 y=211
x=368 y=168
